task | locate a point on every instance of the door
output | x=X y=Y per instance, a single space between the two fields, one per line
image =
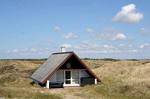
x=67 y=77
x=71 y=78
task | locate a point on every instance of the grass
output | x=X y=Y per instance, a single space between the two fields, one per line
x=120 y=80
x=125 y=79
x=18 y=93
x=15 y=82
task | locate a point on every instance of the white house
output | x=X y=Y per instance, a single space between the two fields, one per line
x=64 y=69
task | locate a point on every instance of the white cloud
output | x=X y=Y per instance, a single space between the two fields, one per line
x=128 y=14
x=90 y=47
x=145 y=31
x=89 y=30
x=133 y=50
x=57 y=28
x=119 y=36
x=145 y=45
x=28 y=51
x=95 y=48
x=111 y=35
x=66 y=45
x=33 y=49
x=85 y=45
x=71 y=36
x=15 y=50
x=24 y=50
x=108 y=46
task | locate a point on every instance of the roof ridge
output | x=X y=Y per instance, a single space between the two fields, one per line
x=63 y=52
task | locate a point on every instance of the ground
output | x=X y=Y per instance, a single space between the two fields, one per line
x=125 y=79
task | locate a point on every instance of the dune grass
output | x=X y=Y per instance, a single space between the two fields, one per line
x=125 y=79
x=15 y=82
x=120 y=80
x=18 y=93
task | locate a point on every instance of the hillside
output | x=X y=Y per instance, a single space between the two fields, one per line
x=120 y=80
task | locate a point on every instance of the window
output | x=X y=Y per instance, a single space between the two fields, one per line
x=72 y=77
x=68 y=77
x=75 y=77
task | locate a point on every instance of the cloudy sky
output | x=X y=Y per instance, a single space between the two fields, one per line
x=91 y=28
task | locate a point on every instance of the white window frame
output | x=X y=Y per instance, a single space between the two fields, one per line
x=71 y=79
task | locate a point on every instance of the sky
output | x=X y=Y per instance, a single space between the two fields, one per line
x=91 y=28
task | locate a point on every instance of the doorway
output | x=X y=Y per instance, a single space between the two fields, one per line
x=71 y=77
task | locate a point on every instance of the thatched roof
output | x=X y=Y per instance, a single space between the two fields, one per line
x=53 y=63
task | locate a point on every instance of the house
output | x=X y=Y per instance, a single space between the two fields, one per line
x=65 y=69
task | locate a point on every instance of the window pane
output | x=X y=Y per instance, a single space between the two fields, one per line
x=75 y=81
x=75 y=74
x=68 y=75
x=75 y=77
x=68 y=81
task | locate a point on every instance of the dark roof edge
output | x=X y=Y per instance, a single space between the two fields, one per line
x=63 y=52
x=99 y=80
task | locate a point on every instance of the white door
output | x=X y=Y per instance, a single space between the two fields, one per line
x=71 y=78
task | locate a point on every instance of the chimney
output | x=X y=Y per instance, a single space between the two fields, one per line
x=63 y=49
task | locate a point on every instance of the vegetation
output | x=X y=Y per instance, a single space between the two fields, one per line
x=125 y=79
x=15 y=82
x=104 y=59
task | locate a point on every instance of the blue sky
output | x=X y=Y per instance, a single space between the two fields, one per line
x=91 y=28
